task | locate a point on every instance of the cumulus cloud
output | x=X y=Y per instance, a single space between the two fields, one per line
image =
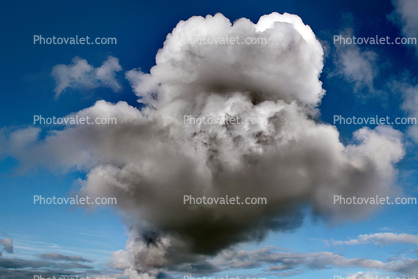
x=81 y=75
x=7 y=244
x=379 y=239
x=152 y=158
x=61 y=257
x=355 y=65
x=286 y=68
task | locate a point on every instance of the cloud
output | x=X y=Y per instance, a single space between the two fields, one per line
x=356 y=66
x=61 y=257
x=152 y=158
x=286 y=68
x=281 y=263
x=16 y=268
x=81 y=75
x=409 y=93
x=8 y=244
x=284 y=261
x=21 y=263
x=379 y=239
x=405 y=15
x=410 y=105
x=23 y=269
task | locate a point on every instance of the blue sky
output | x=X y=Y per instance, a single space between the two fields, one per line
x=48 y=160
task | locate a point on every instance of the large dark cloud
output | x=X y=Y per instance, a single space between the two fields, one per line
x=151 y=158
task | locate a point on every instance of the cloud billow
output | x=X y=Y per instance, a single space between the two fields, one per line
x=151 y=159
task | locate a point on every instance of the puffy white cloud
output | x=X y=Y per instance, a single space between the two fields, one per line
x=81 y=75
x=151 y=158
x=286 y=68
